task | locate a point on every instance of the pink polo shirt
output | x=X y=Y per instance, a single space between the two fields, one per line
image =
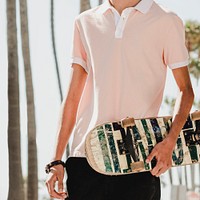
x=126 y=58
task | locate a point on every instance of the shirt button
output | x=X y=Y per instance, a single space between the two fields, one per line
x=123 y=17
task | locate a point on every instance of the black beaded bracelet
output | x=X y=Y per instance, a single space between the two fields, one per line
x=54 y=163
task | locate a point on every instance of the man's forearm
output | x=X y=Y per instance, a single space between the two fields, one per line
x=69 y=109
x=65 y=127
x=182 y=108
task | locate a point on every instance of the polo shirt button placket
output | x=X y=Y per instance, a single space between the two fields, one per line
x=121 y=25
x=120 y=28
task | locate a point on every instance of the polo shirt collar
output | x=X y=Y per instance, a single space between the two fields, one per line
x=143 y=6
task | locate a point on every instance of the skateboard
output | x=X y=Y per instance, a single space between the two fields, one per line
x=121 y=147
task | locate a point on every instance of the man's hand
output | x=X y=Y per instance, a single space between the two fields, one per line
x=56 y=175
x=163 y=150
x=163 y=154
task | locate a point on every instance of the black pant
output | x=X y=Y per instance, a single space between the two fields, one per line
x=84 y=183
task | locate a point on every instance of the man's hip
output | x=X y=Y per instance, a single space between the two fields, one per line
x=83 y=183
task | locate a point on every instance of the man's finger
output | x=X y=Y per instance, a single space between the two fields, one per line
x=157 y=168
x=55 y=194
x=151 y=156
x=50 y=185
x=60 y=186
x=163 y=170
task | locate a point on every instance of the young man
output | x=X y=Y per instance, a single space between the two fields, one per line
x=121 y=51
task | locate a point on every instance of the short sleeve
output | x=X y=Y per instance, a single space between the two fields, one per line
x=78 y=53
x=175 y=51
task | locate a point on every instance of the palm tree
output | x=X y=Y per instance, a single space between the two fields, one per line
x=32 y=187
x=56 y=59
x=194 y=68
x=16 y=190
x=84 y=5
x=54 y=50
x=192 y=30
x=171 y=103
x=100 y=2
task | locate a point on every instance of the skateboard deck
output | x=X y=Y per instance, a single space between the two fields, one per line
x=121 y=147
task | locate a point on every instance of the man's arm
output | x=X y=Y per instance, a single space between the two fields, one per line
x=69 y=109
x=67 y=120
x=163 y=151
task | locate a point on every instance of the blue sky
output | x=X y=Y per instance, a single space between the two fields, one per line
x=44 y=75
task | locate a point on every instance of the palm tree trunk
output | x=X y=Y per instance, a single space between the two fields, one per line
x=84 y=5
x=32 y=193
x=54 y=50
x=16 y=190
x=56 y=61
